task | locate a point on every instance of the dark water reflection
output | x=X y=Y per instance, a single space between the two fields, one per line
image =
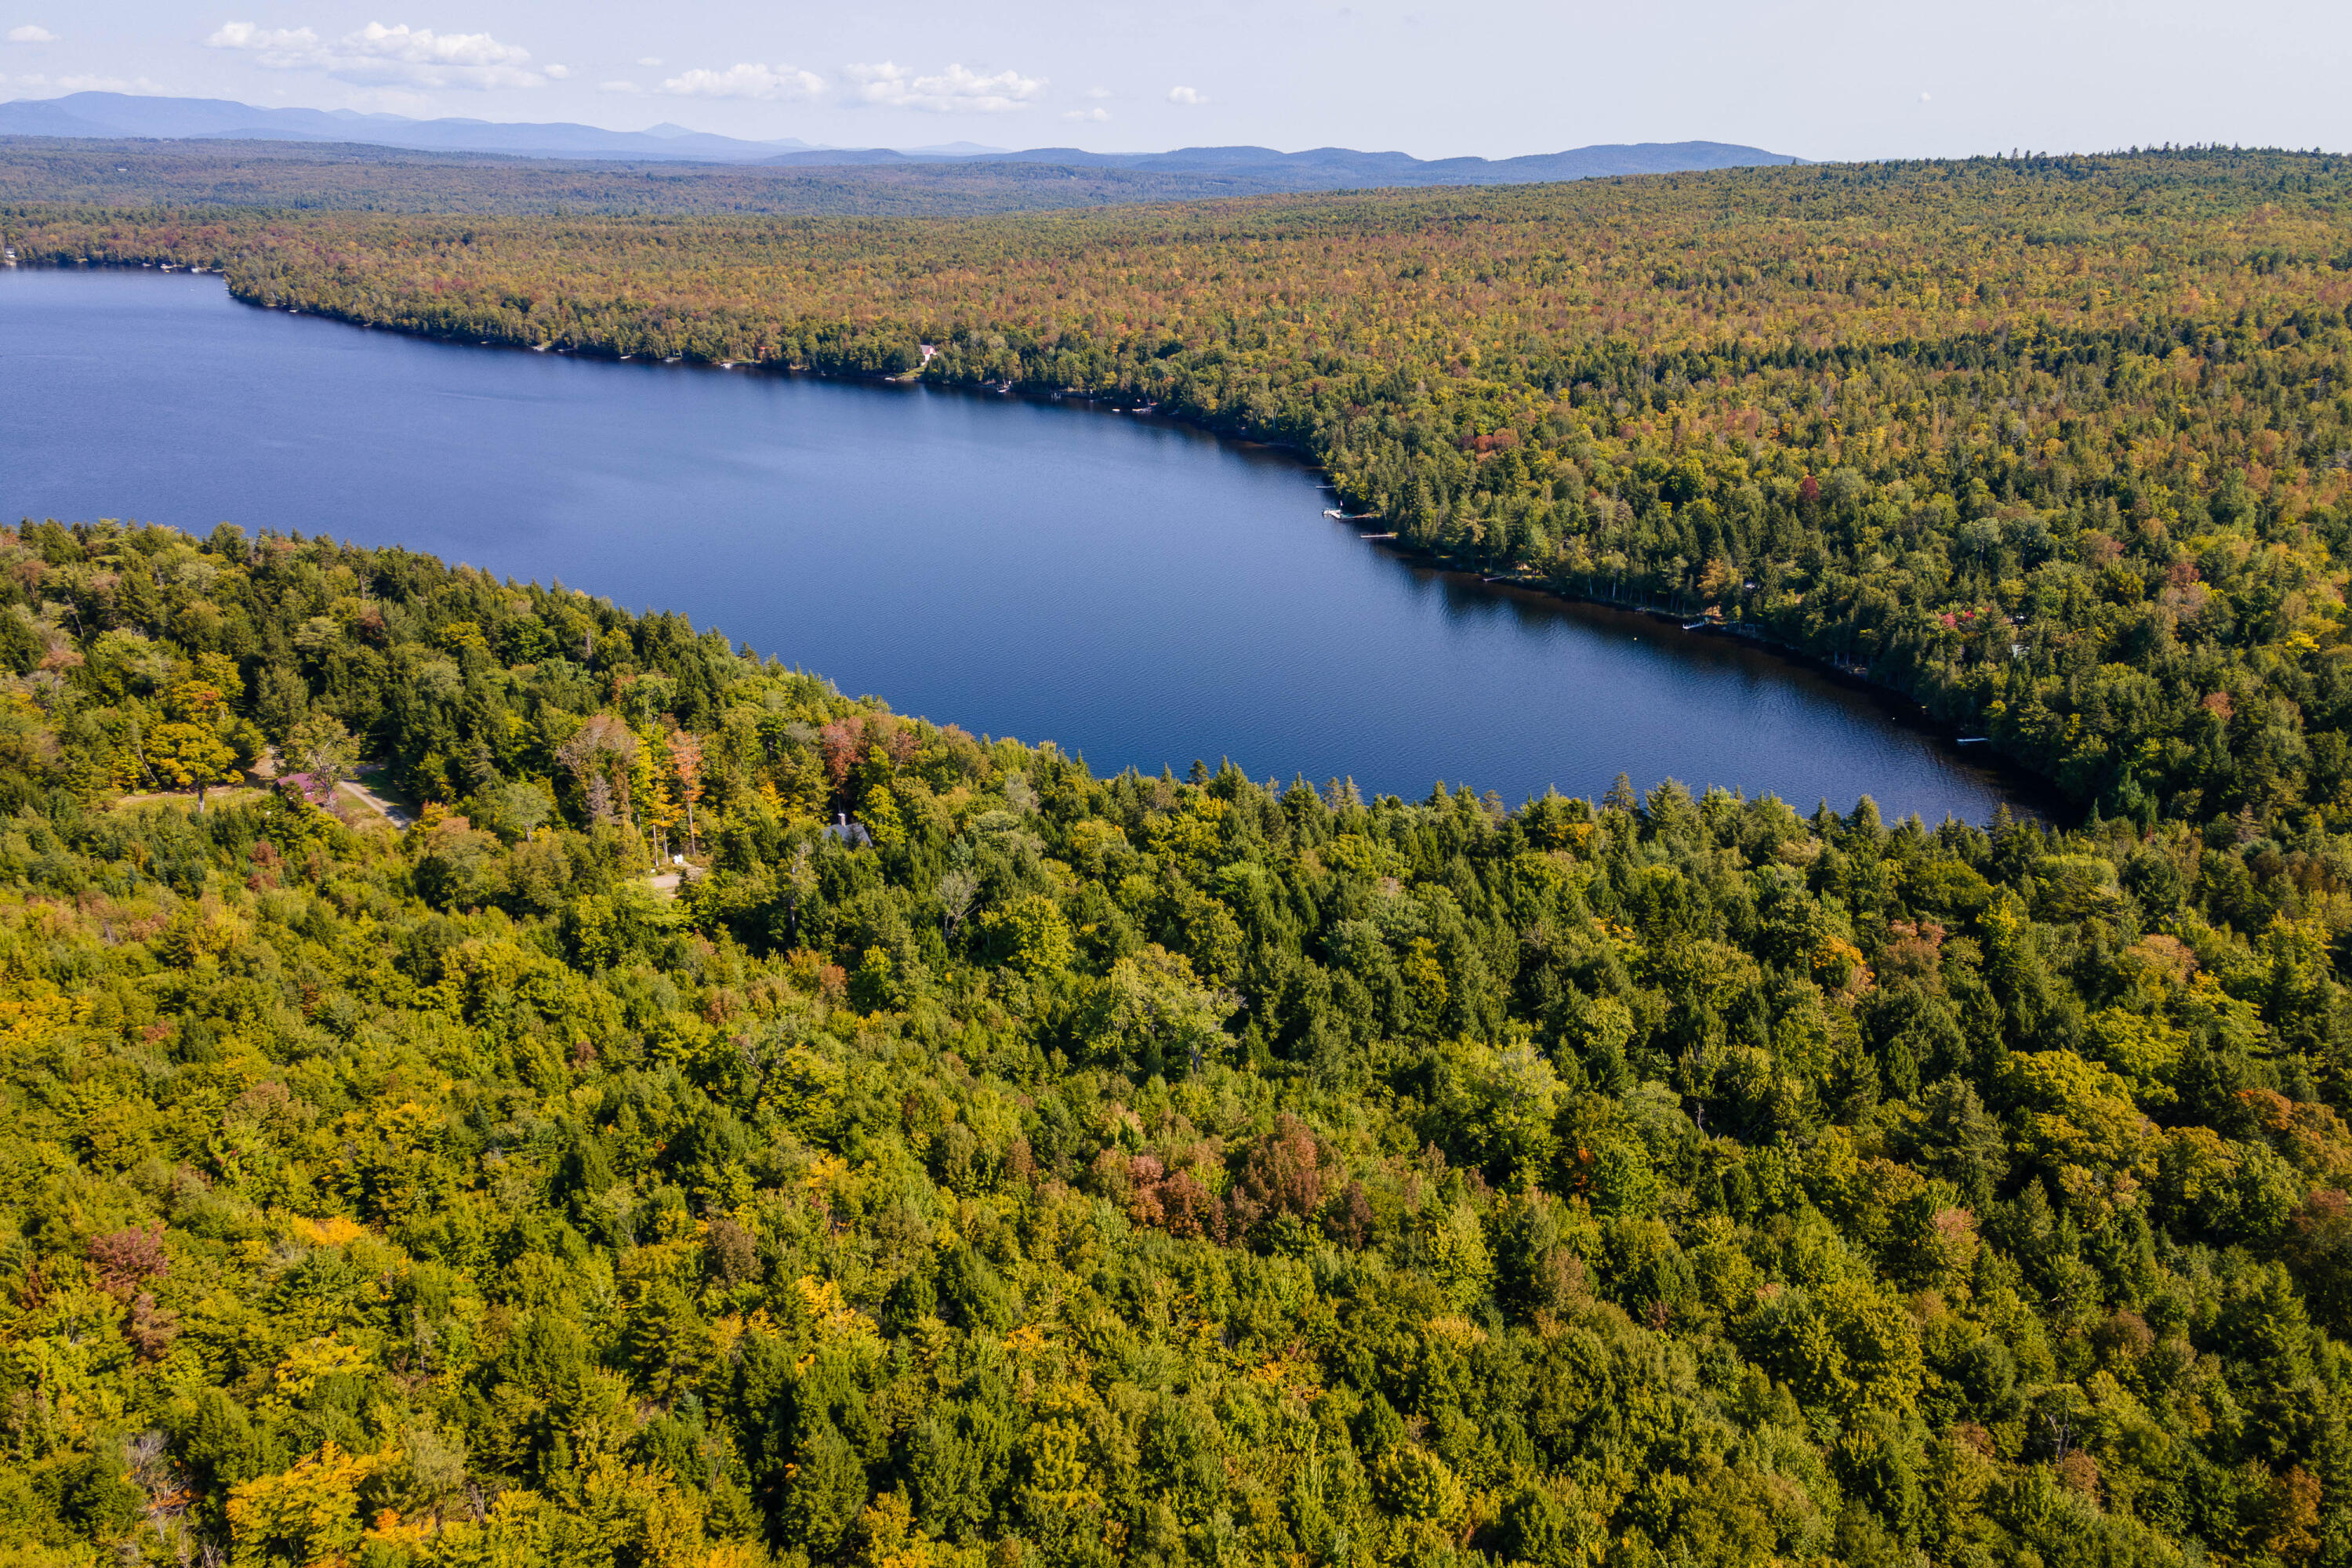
x=1133 y=589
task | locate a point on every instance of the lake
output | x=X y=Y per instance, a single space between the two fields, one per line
x=1134 y=590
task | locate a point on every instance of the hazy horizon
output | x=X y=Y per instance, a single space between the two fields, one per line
x=1828 y=79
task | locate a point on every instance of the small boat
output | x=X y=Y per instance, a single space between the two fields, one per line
x=1696 y=625
x=1972 y=740
x=1376 y=536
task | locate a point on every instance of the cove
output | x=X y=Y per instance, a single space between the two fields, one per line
x=1135 y=590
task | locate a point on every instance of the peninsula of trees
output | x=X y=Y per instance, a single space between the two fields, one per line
x=1131 y=1171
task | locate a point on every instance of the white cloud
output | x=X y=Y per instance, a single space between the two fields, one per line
x=618 y=87
x=556 y=73
x=747 y=79
x=31 y=33
x=395 y=56
x=955 y=91
x=650 y=60
x=281 y=49
x=1086 y=114
x=1099 y=92
x=1190 y=97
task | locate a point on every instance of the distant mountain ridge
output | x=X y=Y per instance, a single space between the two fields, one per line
x=115 y=116
x=1334 y=167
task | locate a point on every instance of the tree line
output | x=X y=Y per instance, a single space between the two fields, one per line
x=302 y=176
x=2060 y=446
x=1147 y=1170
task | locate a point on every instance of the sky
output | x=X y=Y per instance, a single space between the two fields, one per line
x=1818 y=79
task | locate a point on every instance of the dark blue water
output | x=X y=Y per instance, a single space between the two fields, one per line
x=1136 y=591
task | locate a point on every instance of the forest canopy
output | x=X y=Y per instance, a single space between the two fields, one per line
x=2060 y=446
x=1071 y=1170
x=1060 y=1170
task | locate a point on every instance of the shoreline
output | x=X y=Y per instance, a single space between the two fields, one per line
x=2032 y=794
x=2040 y=798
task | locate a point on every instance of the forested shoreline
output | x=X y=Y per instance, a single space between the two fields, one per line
x=2059 y=447
x=1094 y=1170
x=1058 y=1170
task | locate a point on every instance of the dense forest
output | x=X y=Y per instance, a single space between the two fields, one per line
x=966 y=1162
x=1083 y=1171
x=2060 y=446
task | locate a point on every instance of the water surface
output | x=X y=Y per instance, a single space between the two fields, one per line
x=1136 y=591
